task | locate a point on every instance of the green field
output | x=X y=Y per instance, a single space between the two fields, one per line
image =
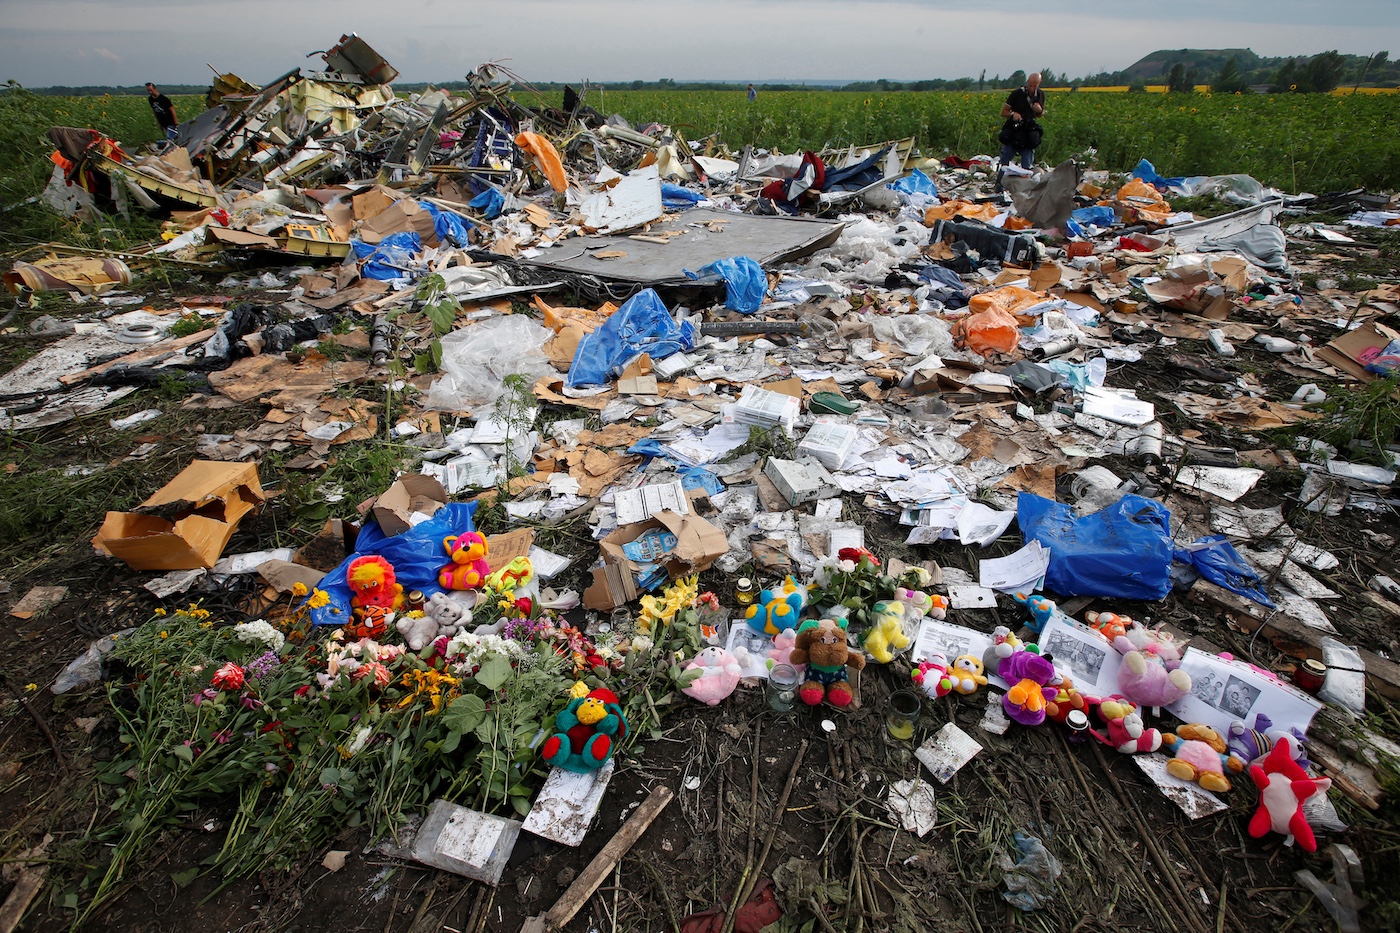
x=1294 y=142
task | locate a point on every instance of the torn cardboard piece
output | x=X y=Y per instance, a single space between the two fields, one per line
x=188 y=522
x=698 y=545
x=414 y=498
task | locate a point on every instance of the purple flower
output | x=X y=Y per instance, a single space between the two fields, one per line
x=251 y=702
x=222 y=736
x=263 y=665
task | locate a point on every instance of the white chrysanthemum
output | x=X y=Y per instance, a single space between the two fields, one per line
x=467 y=650
x=259 y=632
x=358 y=742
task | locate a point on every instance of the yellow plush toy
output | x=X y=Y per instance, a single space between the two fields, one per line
x=886 y=635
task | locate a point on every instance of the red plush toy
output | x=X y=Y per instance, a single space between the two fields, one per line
x=1283 y=788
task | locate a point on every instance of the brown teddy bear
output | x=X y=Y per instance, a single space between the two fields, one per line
x=821 y=645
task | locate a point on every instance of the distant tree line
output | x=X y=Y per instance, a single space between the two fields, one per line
x=1225 y=71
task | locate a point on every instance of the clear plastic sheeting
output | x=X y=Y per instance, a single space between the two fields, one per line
x=476 y=361
x=915 y=334
x=1345 y=685
x=1030 y=882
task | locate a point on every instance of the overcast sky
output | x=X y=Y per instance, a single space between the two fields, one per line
x=127 y=42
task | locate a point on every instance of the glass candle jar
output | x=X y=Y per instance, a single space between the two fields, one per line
x=903 y=714
x=782 y=688
x=744 y=593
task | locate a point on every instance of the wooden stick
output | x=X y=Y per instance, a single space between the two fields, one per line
x=28 y=885
x=753 y=871
x=572 y=901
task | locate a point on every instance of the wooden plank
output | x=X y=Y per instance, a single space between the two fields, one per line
x=1351 y=777
x=154 y=352
x=1291 y=636
x=572 y=901
x=28 y=885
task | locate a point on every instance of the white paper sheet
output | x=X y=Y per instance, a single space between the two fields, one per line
x=1083 y=654
x=1022 y=572
x=1223 y=691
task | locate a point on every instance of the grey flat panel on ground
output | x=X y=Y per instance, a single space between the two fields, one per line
x=768 y=240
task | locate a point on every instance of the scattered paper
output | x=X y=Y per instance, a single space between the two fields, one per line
x=914 y=804
x=1229 y=483
x=642 y=503
x=1193 y=799
x=947 y=751
x=1022 y=572
x=968 y=596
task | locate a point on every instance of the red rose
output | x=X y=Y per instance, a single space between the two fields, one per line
x=228 y=677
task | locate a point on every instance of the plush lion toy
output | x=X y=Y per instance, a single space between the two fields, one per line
x=821 y=645
x=374 y=595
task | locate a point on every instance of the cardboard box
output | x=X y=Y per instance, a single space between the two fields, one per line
x=799 y=481
x=415 y=493
x=1346 y=351
x=698 y=545
x=397 y=218
x=188 y=522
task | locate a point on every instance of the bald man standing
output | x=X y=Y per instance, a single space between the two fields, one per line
x=1021 y=132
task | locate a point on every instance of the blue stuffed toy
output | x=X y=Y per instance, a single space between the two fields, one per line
x=778 y=609
x=586 y=732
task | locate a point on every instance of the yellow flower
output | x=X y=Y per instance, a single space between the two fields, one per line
x=164 y=634
x=299 y=589
x=578 y=691
x=30 y=688
x=318 y=599
x=159 y=611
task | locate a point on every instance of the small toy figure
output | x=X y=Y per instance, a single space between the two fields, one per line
x=1283 y=789
x=1041 y=608
x=967 y=674
x=1199 y=755
x=778 y=608
x=1252 y=742
x=821 y=645
x=1066 y=699
x=886 y=635
x=1108 y=624
x=719 y=675
x=1004 y=643
x=932 y=677
x=1028 y=673
x=372 y=583
x=469 y=565
x=1126 y=733
x=587 y=731
x=783 y=644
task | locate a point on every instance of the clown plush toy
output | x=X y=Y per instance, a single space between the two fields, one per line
x=588 y=730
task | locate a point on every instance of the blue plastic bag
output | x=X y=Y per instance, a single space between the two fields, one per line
x=1098 y=216
x=916 y=182
x=417 y=555
x=389 y=258
x=676 y=198
x=745 y=283
x=1123 y=551
x=1145 y=171
x=1217 y=560
x=641 y=325
x=491 y=201
x=450 y=227
x=697 y=477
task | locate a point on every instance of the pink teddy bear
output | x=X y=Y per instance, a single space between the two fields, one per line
x=719 y=675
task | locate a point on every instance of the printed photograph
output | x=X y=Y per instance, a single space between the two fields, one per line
x=1238 y=698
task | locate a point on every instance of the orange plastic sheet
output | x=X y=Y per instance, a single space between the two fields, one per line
x=1139 y=196
x=546 y=158
x=990 y=331
x=557 y=318
x=1009 y=298
x=953 y=209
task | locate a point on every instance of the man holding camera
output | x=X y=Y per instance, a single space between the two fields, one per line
x=1021 y=132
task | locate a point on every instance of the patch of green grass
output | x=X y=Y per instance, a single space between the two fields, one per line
x=1369 y=413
